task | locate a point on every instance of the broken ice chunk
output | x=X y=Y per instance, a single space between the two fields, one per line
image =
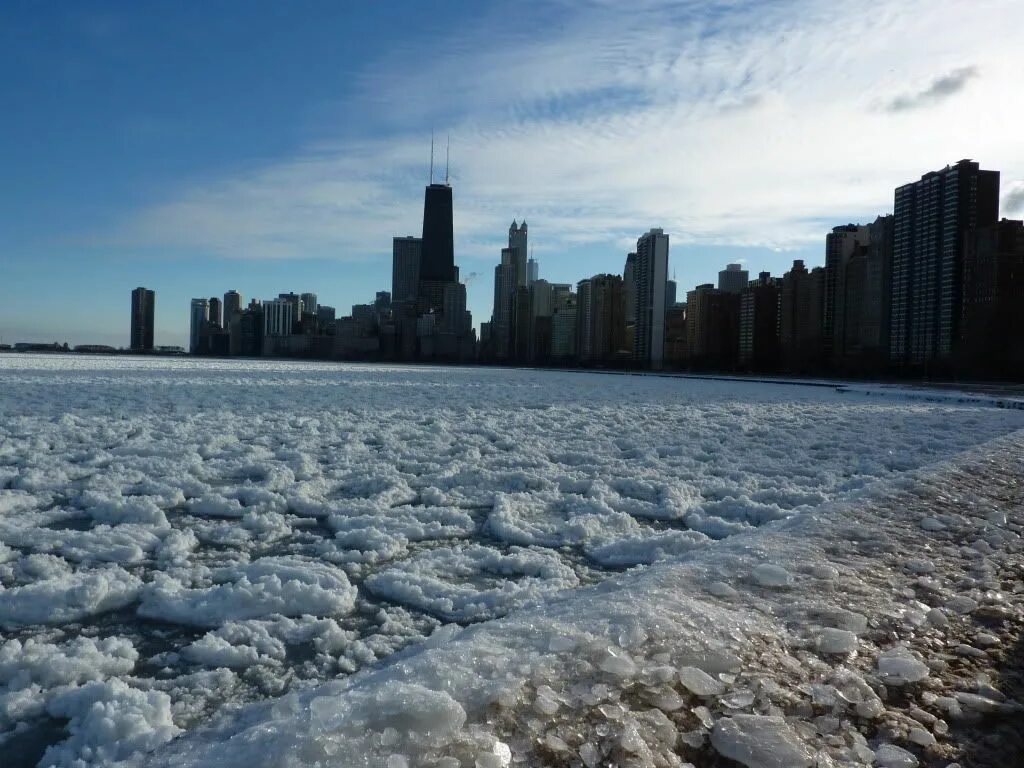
x=771 y=575
x=699 y=682
x=760 y=742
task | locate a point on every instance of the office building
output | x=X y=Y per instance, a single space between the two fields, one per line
x=199 y=317
x=279 y=315
x=518 y=245
x=232 y=306
x=563 y=323
x=933 y=217
x=309 y=303
x=733 y=278
x=670 y=294
x=651 y=275
x=405 y=268
x=215 y=313
x=143 y=307
x=532 y=270
x=438 y=242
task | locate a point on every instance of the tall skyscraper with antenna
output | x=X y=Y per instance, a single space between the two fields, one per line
x=437 y=264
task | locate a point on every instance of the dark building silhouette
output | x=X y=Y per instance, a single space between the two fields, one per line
x=712 y=327
x=438 y=260
x=143 y=306
x=801 y=310
x=992 y=328
x=733 y=278
x=860 y=320
x=600 y=320
x=759 y=324
x=215 y=318
x=932 y=219
x=407 y=253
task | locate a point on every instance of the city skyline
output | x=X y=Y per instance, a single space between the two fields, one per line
x=743 y=158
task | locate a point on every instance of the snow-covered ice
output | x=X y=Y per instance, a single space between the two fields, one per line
x=410 y=566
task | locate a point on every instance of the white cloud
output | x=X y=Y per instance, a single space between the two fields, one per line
x=734 y=123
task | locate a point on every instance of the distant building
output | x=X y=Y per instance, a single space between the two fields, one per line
x=992 y=328
x=563 y=323
x=759 y=324
x=246 y=330
x=199 y=317
x=518 y=244
x=801 y=325
x=651 y=278
x=677 y=348
x=600 y=321
x=405 y=268
x=215 y=313
x=437 y=262
x=670 y=294
x=712 y=327
x=733 y=279
x=143 y=306
x=309 y=303
x=932 y=219
x=325 y=316
x=232 y=306
x=629 y=288
x=295 y=300
x=279 y=316
x=532 y=270
x=857 y=292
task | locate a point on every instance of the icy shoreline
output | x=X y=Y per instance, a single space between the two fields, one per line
x=873 y=634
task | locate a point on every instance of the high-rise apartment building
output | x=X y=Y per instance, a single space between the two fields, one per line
x=759 y=324
x=143 y=306
x=841 y=245
x=405 y=268
x=563 y=323
x=933 y=217
x=651 y=275
x=629 y=288
x=600 y=321
x=992 y=327
x=801 y=309
x=733 y=278
x=712 y=327
x=198 y=320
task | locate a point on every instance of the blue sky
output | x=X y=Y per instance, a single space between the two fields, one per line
x=265 y=146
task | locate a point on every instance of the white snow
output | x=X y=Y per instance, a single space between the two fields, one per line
x=262 y=528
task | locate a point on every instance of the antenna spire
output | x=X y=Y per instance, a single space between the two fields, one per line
x=447 y=150
x=431 y=155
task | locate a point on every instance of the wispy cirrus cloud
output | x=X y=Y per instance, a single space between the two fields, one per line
x=728 y=123
x=940 y=89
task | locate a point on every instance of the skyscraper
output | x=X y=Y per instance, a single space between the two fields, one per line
x=232 y=306
x=406 y=253
x=733 y=278
x=600 y=322
x=504 y=291
x=841 y=245
x=143 y=304
x=517 y=243
x=438 y=260
x=214 y=312
x=932 y=219
x=309 y=303
x=200 y=316
x=532 y=269
x=629 y=288
x=651 y=274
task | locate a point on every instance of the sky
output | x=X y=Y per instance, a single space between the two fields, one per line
x=195 y=148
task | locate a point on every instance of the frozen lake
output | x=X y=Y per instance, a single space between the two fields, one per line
x=179 y=538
